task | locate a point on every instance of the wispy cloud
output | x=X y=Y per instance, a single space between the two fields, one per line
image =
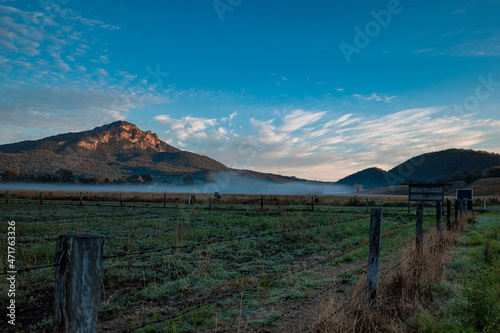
x=375 y=97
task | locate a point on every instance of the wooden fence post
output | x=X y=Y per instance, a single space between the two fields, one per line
x=78 y=283
x=121 y=200
x=448 y=214
x=456 y=214
x=41 y=198
x=81 y=201
x=373 y=254
x=438 y=216
x=210 y=202
x=164 y=200
x=366 y=205
x=484 y=201
x=262 y=202
x=7 y=197
x=419 y=229
x=312 y=203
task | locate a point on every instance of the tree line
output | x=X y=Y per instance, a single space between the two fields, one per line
x=67 y=176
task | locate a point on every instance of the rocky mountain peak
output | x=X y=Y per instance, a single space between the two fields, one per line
x=127 y=134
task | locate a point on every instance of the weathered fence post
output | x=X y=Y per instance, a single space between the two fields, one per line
x=210 y=202
x=262 y=202
x=374 y=252
x=121 y=200
x=419 y=229
x=81 y=199
x=438 y=216
x=456 y=214
x=7 y=197
x=78 y=283
x=366 y=205
x=448 y=214
x=312 y=203
x=41 y=198
x=466 y=206
x=164 y=200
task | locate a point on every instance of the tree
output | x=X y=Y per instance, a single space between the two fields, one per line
x=358 y=187
x=134 y=179
x=47 y=178
x=10 y=175
x=147 y=178
x=65 y=175
x=494 y=172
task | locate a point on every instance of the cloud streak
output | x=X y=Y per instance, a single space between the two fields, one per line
x=329 y=146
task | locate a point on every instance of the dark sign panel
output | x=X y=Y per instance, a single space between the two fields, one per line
x=467 y=194
x=431 y=193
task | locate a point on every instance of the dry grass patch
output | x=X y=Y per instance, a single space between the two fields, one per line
x=404 y=289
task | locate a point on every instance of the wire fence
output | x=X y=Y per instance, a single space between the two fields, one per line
x=360 y=292
x=214 y=299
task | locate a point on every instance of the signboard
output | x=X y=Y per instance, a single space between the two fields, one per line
x=467 y=194
x=426 y=193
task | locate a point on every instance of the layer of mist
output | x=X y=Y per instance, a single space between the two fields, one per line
x=224 y=182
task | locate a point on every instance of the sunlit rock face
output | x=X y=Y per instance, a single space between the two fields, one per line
x=128 y=135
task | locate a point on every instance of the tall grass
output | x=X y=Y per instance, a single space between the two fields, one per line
x=403 y=292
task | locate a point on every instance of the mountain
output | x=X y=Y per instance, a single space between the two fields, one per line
x=429 y=167
x=115 y=150
x=445 y=165
x=111 y=150
x=368 y=178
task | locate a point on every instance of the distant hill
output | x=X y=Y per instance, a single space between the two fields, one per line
x=447 y=165
x=481 y=187
x=429 y=167
x=368 y=178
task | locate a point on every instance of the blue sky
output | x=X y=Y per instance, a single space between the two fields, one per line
x=314 y=89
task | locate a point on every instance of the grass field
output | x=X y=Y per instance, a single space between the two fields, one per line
x=251 y=268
